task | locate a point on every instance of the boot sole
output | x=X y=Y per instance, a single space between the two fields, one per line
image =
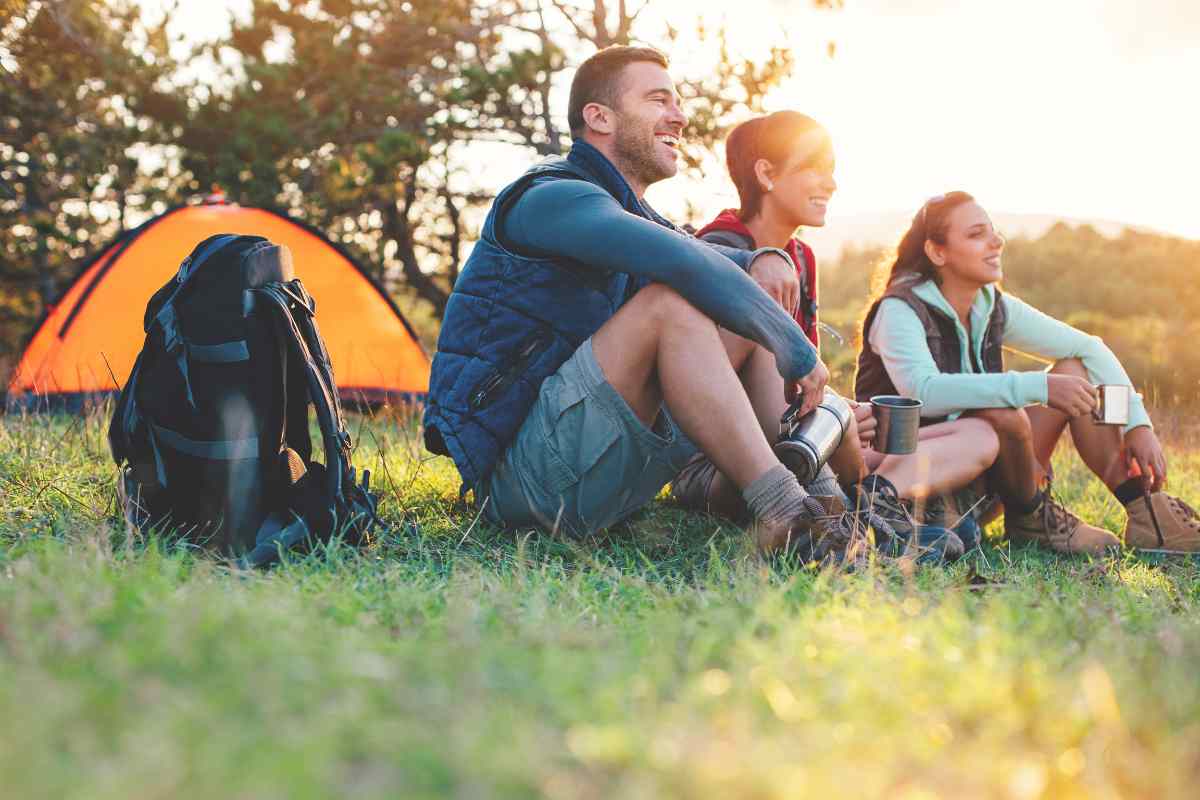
x=1160 y=552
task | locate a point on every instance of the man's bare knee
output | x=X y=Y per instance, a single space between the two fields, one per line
x=1008 y=423
x=670 y=307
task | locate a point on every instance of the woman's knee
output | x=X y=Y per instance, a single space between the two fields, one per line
x=1007 y=423
x=983 y=441
x=1070 y=366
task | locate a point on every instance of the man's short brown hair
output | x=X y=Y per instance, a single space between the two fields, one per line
x=598 y=79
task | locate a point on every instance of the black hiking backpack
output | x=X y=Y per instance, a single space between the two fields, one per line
x=212 y=428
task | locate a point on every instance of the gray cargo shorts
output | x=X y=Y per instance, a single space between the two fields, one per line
x=582 y=460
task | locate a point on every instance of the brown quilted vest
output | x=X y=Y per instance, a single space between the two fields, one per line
x=872 y=377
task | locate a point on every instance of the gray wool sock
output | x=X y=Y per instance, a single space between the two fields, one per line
x=826 y=484
x=775 y=496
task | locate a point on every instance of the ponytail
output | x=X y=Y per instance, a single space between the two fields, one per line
x=930 y=223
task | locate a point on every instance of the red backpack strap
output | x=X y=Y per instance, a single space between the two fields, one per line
x=807 y=267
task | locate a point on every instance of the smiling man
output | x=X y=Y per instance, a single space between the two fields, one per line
x=579 y=364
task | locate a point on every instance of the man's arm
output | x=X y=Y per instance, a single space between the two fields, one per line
x=580 y=221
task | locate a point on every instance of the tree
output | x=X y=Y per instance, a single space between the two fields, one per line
x=334 y=112
x=76 y=93
x=369 y=138
x=366 y=118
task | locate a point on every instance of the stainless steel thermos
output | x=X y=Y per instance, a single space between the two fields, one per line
x=806 y=443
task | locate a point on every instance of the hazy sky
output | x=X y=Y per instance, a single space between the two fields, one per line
x=1083 y=108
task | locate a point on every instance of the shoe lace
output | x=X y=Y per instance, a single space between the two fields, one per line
x=935 y=508
x=883 y=509
x=1055 y=516
x=883 y=528
x=836 y=531
x=835 y=525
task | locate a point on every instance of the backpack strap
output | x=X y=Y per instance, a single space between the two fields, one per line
x=222 y=450
x=728 y=239
x=223 y=353
x=283 y=302
x=348 y=504
x=166 y=318
x=808 y=294
x=193 y=262
x=127 y=416
x=307 y=324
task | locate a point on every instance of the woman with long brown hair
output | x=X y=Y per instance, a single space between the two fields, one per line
x=782 y=165
x=935 y=331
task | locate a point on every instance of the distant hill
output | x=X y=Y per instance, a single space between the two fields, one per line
x=886 y=227
x=1134 y=288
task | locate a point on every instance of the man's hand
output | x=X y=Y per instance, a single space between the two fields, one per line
x=864 y=416
x=1143 y=449
x=777 y=276
x=1072 y=395
x=811 y=386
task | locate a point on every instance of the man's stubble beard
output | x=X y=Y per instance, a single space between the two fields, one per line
x=636 y=153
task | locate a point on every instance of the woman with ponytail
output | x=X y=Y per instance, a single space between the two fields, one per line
x=782 y=166
x=934 y=331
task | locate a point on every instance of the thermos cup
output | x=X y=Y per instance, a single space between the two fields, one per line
x=806 y=443
x=898 y=423
x=1113 y=405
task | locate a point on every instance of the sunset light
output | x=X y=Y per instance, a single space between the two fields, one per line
x=589 y=399
x=1075 y=108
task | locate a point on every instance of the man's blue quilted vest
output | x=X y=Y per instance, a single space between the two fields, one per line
x=513 y=320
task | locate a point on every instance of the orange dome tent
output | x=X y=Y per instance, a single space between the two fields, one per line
x=86 y=345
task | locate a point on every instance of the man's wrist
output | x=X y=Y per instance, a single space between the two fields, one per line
x=764 y=250
x=805 y=363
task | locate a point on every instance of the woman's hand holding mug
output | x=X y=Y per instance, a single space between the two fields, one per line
x=1070 y=394
x=865 y=421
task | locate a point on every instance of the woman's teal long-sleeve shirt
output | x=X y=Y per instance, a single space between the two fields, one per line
x=899 y=338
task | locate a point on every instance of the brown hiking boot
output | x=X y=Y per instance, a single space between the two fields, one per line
x=693 y=489
x=690 y=487
x=1178 y=522
x=1053 y=526
x=823 y=531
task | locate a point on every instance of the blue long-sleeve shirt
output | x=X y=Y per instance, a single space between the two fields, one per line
x=577 y=220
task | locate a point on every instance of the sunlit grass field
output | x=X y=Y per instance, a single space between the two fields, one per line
x=664 y=660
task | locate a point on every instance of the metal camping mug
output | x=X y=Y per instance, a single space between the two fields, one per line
x=806 y=443
x=898 y=423
x=1113 y=405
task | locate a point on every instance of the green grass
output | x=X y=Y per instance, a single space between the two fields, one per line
x=664 y=660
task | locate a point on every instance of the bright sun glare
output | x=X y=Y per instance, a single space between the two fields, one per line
x=1074 y=108
x=1078 y=108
